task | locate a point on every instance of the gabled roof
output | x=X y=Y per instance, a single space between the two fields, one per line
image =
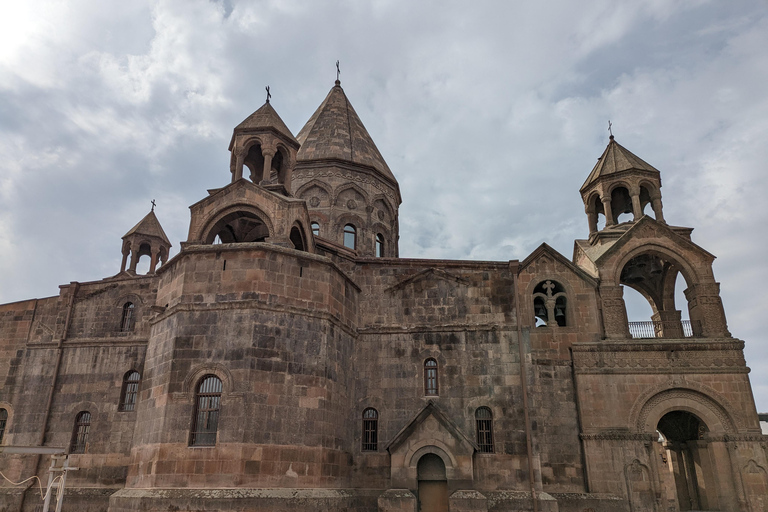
x=149 y=226
x=545 y=248
x=431 y=409
x=265 y=118
x=616 y=158
x=335 y=132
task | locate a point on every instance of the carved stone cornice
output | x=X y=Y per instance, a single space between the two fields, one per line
x=660 y=357
x=618 y=435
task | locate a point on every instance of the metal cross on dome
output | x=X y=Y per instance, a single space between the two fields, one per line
x=153 y=205
x=338 y=71
x=269 y=94
x=609 y=128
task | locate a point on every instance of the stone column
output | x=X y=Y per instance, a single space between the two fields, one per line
x=656 y=205
x=637 y=207
x=153 y=261
x=609 y=220
x=125 y=260
x=239 y=163
x=268 y=154
x=669 y=324
x=706 y=308
x=614 y=312
x=134 y=260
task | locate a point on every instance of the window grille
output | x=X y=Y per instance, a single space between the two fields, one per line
x=430 y=377
x=370 y=430
x=126 y=322
x=484 y=424
x=207 y=406
x=130 y=391
x=80 y=433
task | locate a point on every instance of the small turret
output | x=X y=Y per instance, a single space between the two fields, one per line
x=620 y=183
x=146 y=238
x=265 y=145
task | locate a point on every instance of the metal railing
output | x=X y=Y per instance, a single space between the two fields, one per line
x=651 y=329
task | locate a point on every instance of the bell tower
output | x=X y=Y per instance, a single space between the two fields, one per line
x=644 y=253
x=146 y=238
x=620 y=183
x=264 y=145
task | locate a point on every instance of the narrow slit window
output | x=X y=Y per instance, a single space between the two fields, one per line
x=370 y=430
x=350 y=236
x=430 y=377
x=80 y=433
x=130 y=391
x=315 y=228
x=126 y=322
x=207 y=407
x=3 y=422
x=379 y=245
x=484 y=426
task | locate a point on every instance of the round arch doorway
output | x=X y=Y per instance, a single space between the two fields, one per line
x=433 y=484
x=682 y=434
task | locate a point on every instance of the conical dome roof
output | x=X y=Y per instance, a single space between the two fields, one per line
x=335 y=132
x=616 y=158
x=149 y=226
x=265 y=118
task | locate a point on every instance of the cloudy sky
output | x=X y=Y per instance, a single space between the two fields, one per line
x=490 y=115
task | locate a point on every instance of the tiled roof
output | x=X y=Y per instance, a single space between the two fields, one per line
x=335 y=132
x=150 y=226
x=616 y=158
x=265 y=117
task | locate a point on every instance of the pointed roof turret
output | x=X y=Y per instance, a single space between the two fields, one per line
x=265 y=118
x=335 y=132
x=146 y=238
x=149 y=226
x=616 y=158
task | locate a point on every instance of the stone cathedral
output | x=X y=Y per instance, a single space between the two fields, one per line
x=286 y=358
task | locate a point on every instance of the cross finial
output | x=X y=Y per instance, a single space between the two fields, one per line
x=269 y=94
x=609 y=128
x=338 y=71
x=153 y=205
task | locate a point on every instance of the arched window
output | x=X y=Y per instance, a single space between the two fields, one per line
x=126 y=322
x=3 y=421
x=315 y=228
x=379 y=245
x=370 y=430
x=130 y=391
x=350 y=236
x=207 y=405
x=80 y=433
x=484 y=427
x=549 y=304
x=430 y=377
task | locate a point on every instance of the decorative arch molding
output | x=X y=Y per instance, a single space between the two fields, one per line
x=350 y=218
x=72 y=409
x=249 y=141
x=689 y=274
x=128 y=297
x=354 y=187
x=434 y=446
x=198 y=372
x=618 y=184
x=699 y=400
x=316 y=183
x=218 y=215
x=378 y=227
x=383 y=198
